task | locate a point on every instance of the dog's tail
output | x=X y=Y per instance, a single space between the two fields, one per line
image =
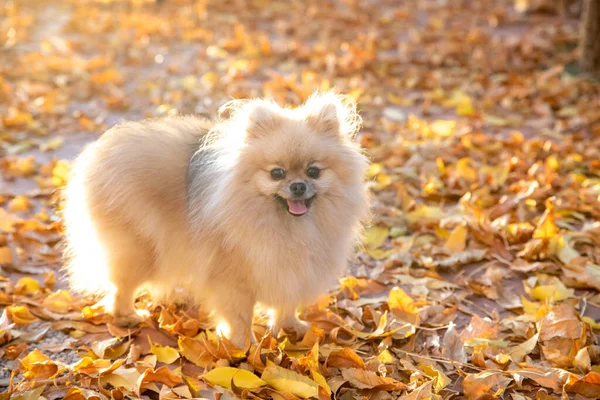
x=84 y=258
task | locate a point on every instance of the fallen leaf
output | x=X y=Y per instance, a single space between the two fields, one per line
x=344 y=358
x=587 y=386
x=28 y=286
x=161 y=375
x=375 y=236
x=38 y=366
x=364 y=379
x=456 y=243
x=480 y=385
x=403 y=307
x=290 y=381
x=20 y=315
x=440 y=379
x=164 y=354
x=224 y=377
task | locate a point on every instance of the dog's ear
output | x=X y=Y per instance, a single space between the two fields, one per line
x=263 y=118
x=332 y=115
x=251 y=118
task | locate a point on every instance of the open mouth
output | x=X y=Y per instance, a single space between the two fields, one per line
x=297 y=208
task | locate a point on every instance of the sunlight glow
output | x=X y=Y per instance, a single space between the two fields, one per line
x=87 y=261
x=271 y=317
x=223 y=329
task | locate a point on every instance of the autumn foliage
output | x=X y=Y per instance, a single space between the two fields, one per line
x=479 y=274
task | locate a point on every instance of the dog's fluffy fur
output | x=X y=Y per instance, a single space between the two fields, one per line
x=181 y=203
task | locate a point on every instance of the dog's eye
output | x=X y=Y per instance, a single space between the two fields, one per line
x=313 y=172
x=277 y=174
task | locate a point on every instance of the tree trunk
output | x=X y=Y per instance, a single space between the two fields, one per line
x=590 y=37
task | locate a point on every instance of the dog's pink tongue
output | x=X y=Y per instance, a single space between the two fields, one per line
x=297 y=207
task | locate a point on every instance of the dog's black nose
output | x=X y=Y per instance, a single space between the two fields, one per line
x=298 y=189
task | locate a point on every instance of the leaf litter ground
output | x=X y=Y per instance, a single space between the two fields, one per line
x=479 y=276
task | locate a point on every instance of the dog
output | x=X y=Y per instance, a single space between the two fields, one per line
x=263 y=206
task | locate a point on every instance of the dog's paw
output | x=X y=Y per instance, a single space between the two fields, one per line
x=130 y=320
x=300 y=327
x=293 y=325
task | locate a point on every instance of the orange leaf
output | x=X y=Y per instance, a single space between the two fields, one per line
x=20 y=315
x=37 y=366
x=344 y=358
x=587 y=386
x=162 y=375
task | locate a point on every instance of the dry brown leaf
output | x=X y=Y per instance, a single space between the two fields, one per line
x=587 y=386
x=344 y=358
x=364 y=379
x=483 y=384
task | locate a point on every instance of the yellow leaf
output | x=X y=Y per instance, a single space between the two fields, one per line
x=403 y=306
x=216 y=52
x=465 y=108
x=210 y=80
x=242 y=378
x=439 y=161
x=7 y=221
x=566 y=252
x=19 y=203
x=441 y=232
x=593 y=324
x=441 y=380
x=122 y=378
x=424 y=213
x=290 y=381
x=60 y=173
x=60 y=302
x=385 y=357
x=458 y=239
x=383 y=181
x=27 y=286
x=519 y=352
x=6 y=256
x=108 y=76
x=443 y=128
x=20 y=315
x=379 y=254
x=16 y=117
x=32 y=358
x=502 y=358
x=546 y=227
x=165 y=354
x=37 y=366
x=375 y=236
x=534 y=309
x=374 y=169
x=96 y=368
x=465 y=170
x=320 y=379
x=555 y=292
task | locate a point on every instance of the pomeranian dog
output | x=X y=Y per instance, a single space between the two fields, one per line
x=261 y=207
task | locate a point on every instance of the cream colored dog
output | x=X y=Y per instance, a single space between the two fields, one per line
x=262 y=207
